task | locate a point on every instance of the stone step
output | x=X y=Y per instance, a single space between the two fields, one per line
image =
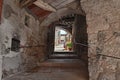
x=63 y=63
x=65 y=52
x=64 y=56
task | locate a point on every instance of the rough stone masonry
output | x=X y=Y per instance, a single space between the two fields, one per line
x=14 y=24
x=103 y=20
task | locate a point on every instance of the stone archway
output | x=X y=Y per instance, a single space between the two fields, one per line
x=63 y=37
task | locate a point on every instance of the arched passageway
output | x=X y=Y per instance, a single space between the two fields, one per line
x=27 y=36
x=78 y=29
x=79 y=39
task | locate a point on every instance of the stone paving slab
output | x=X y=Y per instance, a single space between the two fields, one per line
x=51 y=74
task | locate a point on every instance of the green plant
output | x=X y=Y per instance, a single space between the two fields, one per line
x=69 y=45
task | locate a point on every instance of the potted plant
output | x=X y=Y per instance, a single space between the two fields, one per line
x=69 y=46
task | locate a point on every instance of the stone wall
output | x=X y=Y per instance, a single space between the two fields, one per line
x=13 y=25
x=80 y=28
x=103 y=20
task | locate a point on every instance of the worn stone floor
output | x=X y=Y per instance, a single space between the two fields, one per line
x=54 y=73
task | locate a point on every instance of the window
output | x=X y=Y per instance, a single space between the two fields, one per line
x=15 y=45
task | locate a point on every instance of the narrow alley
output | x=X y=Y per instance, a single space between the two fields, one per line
x=59 y=39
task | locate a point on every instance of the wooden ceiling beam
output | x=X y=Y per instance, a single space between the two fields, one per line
x=44 y=5
x=25 y=3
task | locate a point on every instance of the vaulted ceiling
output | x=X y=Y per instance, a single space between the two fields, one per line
x=42 y=7
x=61 y=11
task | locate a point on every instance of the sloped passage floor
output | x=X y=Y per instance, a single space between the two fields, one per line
x=53 y=73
